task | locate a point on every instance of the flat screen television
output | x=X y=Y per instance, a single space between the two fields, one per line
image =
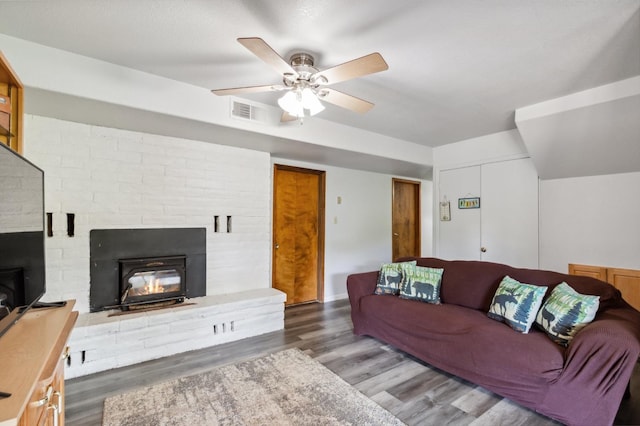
x=22 y=258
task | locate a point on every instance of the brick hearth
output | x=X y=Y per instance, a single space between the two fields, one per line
x=101 y=342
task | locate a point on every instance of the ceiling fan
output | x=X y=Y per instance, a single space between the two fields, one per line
x=304 y=84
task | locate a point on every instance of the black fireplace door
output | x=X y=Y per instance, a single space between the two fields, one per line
x=147 y=280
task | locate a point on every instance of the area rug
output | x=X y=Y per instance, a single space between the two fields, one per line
x=285 y=388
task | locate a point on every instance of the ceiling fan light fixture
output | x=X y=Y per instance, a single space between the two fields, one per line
x=296 y=101
x=291 y=102
x=311 y=102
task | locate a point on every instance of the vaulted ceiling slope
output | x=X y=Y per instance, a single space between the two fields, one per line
x=593 y=132
x=457 y=69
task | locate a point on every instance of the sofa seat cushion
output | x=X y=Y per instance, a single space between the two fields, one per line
x=467 y=343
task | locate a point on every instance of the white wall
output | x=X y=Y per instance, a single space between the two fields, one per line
x=358 y=231
x=499 y=146
x=590 y=220
x=121 y=179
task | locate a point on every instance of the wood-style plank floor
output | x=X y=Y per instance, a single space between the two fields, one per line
x=416 y=393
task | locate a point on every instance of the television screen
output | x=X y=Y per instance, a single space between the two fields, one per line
x=22 y=265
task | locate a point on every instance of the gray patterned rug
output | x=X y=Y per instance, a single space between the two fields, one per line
x=285 y=388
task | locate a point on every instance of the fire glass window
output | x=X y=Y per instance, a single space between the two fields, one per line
x=154 y=282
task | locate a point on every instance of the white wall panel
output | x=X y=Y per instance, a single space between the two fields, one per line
x=590 y=220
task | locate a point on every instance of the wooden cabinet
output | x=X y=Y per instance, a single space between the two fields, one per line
x=597 y=272
x=32 y=357
x=11 y=106
x=625 y=280
x=46 y=405
x=628 y=282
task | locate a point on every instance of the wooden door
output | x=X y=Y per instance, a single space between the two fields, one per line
x=405 y=218
x=298 y=233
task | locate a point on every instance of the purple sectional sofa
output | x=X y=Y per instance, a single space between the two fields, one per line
x=581 y=384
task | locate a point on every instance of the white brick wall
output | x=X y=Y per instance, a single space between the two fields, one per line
x=113 y=178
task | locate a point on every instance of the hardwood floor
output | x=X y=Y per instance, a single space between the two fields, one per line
x=416 y=393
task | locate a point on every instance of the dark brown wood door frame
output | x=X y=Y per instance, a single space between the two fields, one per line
x=321 y=224
x=416 y=231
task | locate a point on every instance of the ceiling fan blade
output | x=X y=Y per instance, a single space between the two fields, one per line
x=263 y=51
x=365 y=65
x=250 y=89
x=345 y=101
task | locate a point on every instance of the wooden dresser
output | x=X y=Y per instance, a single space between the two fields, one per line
x=32 y=356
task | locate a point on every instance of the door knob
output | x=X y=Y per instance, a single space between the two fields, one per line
x=483 y=249
x=277 y=246
x=395 y=234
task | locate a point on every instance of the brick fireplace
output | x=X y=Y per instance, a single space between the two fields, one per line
x=129 y=264
x=130 y=182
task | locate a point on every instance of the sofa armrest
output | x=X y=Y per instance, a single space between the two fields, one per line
x=361 y=284
x=358 y=286
x=599 y=362
x=616 y=331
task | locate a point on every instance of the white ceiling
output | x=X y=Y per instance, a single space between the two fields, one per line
x=458 y=69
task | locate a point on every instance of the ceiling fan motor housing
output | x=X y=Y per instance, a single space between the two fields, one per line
x=302 y=64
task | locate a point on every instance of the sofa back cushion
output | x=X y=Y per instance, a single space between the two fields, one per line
x=472 y=283
x=391 y=276
x=565 y=312
x=516 y=304
x=422 y=283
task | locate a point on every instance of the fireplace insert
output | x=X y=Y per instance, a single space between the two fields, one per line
x=152 y=281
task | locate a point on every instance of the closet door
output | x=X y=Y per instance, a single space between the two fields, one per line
x=505 y=227
x=459 y=237
x=509 y=213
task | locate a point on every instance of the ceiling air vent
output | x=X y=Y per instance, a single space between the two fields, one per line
x=245 y=111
